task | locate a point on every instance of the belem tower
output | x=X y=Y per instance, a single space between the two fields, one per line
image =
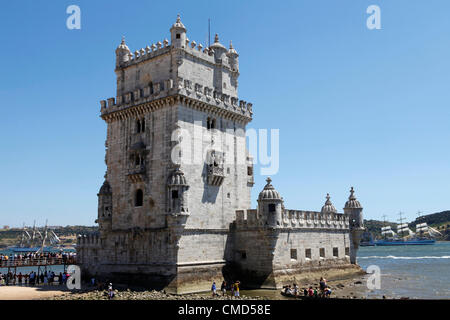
x=178 y=225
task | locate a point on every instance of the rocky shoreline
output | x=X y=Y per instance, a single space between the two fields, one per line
x=342 y=289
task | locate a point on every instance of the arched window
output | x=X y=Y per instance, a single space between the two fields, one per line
x=143 y=125
x=138 y=198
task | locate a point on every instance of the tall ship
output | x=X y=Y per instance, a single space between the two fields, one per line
x=36 y=241
x=424 y=235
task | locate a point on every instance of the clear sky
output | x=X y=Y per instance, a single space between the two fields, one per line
x=355 y=107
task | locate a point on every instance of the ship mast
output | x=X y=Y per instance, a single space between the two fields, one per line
x=401 y=222
x=384 y=225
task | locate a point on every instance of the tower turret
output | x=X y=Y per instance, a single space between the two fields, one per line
x=219 y=49
x=177 y=199
x=178 y=34
x=270 y=205
x=233 y=58
x=104 y=206
x=122 y=53
x=328 y=207
x=353 y=210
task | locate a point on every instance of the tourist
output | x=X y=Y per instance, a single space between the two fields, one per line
x=213 y=289
x=64 y=278
x=310 y=292
x=110 y=291
x=323 y=285
x=236 y=289
x=315 y=292
x=295 y=290
x=223 y=288
x=60 y=279
x=327 y=292
x=20 y=276
x=305 y=292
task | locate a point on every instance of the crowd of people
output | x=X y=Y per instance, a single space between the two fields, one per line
x=324 y=291
x=234 y=288
x=33 y=279
x=29 y=258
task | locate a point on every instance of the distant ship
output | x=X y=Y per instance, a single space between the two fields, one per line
x=424 y=235
x=36 y=241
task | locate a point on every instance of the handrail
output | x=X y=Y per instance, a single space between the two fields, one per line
x=26 y=262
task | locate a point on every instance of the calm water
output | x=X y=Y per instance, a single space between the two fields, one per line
x=410 y=271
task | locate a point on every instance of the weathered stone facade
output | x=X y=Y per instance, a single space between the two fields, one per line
x=177 y=217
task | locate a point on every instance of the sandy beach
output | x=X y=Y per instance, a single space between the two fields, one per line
x=30 y=293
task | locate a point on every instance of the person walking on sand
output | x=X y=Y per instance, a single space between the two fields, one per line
x=236 y=289
x=223 y=288
x=110 y=291
x=214 y=289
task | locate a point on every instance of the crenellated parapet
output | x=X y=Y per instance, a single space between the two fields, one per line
x=291 y=219
x=88 y=241
x=135 y=99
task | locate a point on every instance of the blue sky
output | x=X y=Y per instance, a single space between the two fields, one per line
x=355 y=107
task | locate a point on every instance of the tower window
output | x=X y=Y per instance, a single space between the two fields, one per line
x=178 y=36
x=322 y=252
x=138 y=198
x=335 y=252
x=308 y=253
x=347 y=251
x=250 y=171
x=174 y=194
x=143 y=125
x=271 y=207
x=294 y=254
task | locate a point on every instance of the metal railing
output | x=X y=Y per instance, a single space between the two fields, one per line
x=30 y=262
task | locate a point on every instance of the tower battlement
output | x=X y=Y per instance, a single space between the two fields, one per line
x=183 y=67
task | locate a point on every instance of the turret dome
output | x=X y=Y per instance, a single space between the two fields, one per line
x=177 y=178
x=178 y=24
x=105 y=189
x=232 y=51
x=328 y=207
x=122 y=46
x=217 y=45
x=269 y=192
x=352 y=203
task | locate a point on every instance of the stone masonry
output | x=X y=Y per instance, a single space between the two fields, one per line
x=173 y=211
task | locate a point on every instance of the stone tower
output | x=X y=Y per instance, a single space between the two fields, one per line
x=353 y=210
x=177 y=164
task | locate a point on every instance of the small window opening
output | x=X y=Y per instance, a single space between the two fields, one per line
x=178 y=36
x=294 y=254
x=322 y=252
x=308 y=253
x=174 y=194
x=139 y=198
x=271 y=207
x=335 y=252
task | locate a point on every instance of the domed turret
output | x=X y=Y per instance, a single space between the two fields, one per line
x=219 y=49
x=353 y=210
x=328 y=207
x=352 y=203
x=177 y=197
x=104 y=206
x=105 y=189
x=269 y=192
x=233 y=58
x=122 y=53
x=177 y=178
x=178 y=34
x=270 y=204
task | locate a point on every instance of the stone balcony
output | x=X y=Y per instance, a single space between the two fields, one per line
x=215 y=175
x=137 y=174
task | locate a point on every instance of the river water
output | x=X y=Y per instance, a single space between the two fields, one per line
x=410 y=271
x=406 y=271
